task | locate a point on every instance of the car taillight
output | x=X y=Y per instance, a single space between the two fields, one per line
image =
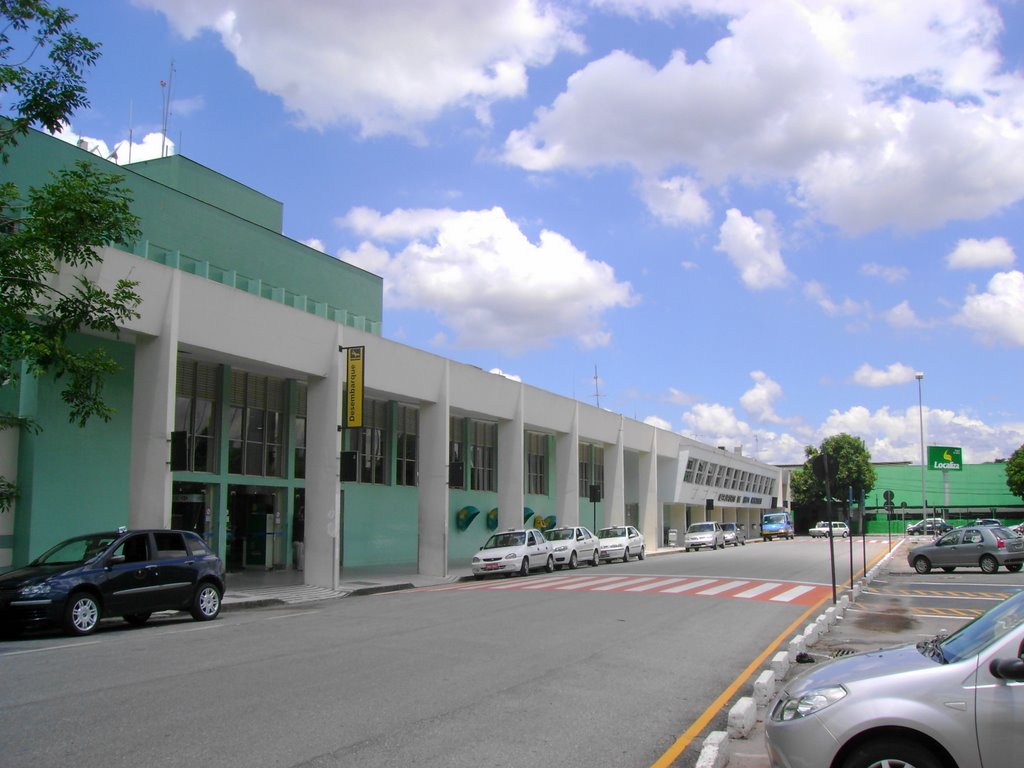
x=1000 y=544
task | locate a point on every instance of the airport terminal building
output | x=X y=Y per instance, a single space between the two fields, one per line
x=231 y=412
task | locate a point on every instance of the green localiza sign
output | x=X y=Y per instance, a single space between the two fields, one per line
x=945 y=458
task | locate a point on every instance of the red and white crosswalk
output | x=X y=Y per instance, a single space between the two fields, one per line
x=797 y=593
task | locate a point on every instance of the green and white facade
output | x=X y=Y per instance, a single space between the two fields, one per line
x=239 y=347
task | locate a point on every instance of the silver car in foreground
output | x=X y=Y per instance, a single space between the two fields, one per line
x=952 y=701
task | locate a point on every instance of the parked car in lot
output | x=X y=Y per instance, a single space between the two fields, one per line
x=840 y=530
x=974 y=547
x=989 y=521
x=931 y=526
x=124 y=573
x=622 y=541
x=573 y=546
x=514 y=551
x=734 y=534
x=948 y=701
x=709 y=534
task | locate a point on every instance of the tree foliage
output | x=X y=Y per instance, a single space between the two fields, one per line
x=56 y=227
x=854 y=472
x=1015 y=473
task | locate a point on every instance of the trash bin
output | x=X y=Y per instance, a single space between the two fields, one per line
x=673 y=537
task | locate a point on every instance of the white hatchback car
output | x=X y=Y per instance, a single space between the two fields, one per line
x=573 y=546
x=621 y=541
x=514 y=551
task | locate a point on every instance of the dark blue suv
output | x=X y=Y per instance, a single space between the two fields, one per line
x=122 y=573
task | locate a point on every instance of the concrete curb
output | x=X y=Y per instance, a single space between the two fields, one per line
x=748 y=710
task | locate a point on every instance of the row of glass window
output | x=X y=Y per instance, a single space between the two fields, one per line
x=708 y=473
x=256 y=437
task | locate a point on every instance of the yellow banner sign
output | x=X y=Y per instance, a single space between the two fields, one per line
x=354 y=387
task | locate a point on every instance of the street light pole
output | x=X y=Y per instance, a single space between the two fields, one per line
x=920 y=416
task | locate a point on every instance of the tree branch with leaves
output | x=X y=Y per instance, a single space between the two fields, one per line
x=57 y=227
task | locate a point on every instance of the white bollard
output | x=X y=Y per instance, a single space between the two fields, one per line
x=764 y=689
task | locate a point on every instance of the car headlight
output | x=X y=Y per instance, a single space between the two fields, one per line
x=511 y=556
x=794 y=707
x=561 y=548
x=35 y=590
x=476 y=559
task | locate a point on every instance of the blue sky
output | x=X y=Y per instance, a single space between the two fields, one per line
x=755 y=220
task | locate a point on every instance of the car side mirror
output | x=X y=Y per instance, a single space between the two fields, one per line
x=115 y=560
x=1007 y=669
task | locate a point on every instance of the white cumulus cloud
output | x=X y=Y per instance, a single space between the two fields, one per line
x=486 y=281
x=981 y=254
x=752 y=246
x=997 y=314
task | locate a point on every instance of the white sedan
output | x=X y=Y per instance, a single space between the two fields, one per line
x=573 y=546
x=621 y=541
x=515 y=551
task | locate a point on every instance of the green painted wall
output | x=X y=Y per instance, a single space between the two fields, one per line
x=194 y=180
x=214 y=227
x=73 y=480
x=977 y=485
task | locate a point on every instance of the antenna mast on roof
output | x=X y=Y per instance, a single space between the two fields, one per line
x=597 y=393
x=166 y=85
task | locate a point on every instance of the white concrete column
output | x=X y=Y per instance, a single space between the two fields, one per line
x=615 y=482
x=567 y=463
x=432 y=467
x=323 y=471
x=156 y=362
x=511 y=446
x=647 y=482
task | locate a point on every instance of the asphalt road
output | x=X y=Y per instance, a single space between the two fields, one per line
x=597 y=667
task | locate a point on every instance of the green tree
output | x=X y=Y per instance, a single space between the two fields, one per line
x=1015 y=473
x=54 y=229
x=854 y=472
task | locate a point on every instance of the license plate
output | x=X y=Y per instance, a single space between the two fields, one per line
x=492 y=566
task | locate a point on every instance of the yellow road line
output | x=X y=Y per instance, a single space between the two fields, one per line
x=698 y=725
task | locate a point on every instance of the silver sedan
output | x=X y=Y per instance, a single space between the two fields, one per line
x=946 y=701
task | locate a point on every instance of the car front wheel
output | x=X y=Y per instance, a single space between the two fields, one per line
x=596 y=561
x=82 y=615
x=642 y=555
x=921 y=565
x=206 y=603
x=549 y=566
x=572 y=562
x=625 y=555
x=988 y=564
x=891 y=753
x=524 y=567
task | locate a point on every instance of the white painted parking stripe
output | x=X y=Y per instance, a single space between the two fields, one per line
x=653 y=585
x=760 y=589
x=791 y=594
x=639 y=580
x=717 y=590
x=588 y=581
x=691 y=585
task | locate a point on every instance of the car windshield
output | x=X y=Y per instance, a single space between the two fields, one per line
x=558 y=534
x=821 y=524
x=728 y=526
x=769 y=519
x=702 y=527
x=80 y=549
x=511 y=539
x=987 y=628
x=612 y=533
